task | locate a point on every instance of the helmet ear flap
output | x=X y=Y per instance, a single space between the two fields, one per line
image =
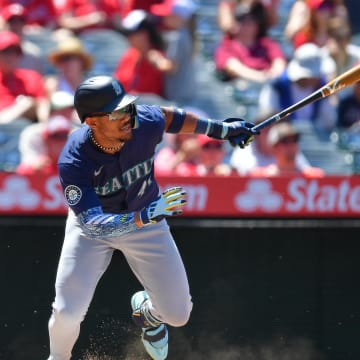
x=133 y=116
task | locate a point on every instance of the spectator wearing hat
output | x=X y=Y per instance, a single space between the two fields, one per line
x=192 y=155
x=178 y=23
x=80 y=16
x=22 y=91
x=71 y=62
x=62 y=103
x=283 y=138
x=212 y=158
x=41 y=14
x=250 y=54
x=139 y=68
x=259 y=154
x=306 y=72
x=14 y=17
x=49 y=139
x=178 y=156
x=40 y=144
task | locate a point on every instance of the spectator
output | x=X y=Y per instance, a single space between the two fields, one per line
x=41 y=14
x=52 y=136
x=250 y=54
x=340 y=47
x=178 y=156
x=283 y=139
x=22 y=91
x=139 y=67
x=348 y=112
x=212 y=158
x=225 y=13
x=178 y=22
x=259 y=154
x=71 y=62
x=306 y=72
x=309 y=19
x=192 y=155
x=79 y=16
x=39 y=144
x=14 y=18
x=62 y=103
x=141 y=4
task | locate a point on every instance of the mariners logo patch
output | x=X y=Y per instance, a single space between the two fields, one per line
x=117 y=88
x=72 y=194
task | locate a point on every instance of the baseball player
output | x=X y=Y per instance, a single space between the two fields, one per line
x=106 y=170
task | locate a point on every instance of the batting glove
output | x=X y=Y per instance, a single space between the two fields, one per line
x=237 y=131
x=167 y=204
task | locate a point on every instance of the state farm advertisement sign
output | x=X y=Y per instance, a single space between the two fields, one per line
x=208 y=196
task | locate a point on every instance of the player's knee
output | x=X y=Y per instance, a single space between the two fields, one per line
x=179 y=316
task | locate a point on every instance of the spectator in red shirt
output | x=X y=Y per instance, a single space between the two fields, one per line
x=139 y=69
x=250 y=54
x=41 y=13
x=79 y=16
x=22 y=91
x=178 y=156
x=212 y=158
x=192 y=155
x=141 y=4
x=14 y=17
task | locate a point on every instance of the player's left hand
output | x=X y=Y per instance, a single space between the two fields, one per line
x=167 y=204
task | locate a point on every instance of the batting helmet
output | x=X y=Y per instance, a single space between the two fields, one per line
x=100 y=94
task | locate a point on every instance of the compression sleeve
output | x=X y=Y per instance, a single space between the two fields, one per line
x=97 y=224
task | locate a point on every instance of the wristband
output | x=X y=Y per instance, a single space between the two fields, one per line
x=203 y=126
x=213 y=128
x=177 y=121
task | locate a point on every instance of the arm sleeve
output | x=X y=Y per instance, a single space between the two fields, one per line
x=97 y=224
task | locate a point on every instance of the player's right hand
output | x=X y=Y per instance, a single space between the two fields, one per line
x=245 y=132
x=169 y=203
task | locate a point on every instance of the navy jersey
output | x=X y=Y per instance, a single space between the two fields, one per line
x=119 y=183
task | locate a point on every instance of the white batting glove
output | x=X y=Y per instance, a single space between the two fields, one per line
x=167 y=204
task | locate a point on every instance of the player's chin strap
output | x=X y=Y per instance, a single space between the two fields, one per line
x=142 y=316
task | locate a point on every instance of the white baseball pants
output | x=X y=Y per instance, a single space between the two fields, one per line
x=151 y=254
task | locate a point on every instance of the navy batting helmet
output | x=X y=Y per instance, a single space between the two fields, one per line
x=100 y=94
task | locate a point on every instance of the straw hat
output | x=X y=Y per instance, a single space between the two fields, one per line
x=71 y=46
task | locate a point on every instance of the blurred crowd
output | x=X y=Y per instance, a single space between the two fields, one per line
x=159 y=61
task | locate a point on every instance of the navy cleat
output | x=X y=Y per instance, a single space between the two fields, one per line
x=154 y=333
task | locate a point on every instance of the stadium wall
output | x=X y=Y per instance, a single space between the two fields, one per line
x=262 y=289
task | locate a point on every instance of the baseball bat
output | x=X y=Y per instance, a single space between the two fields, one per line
x=342 y=81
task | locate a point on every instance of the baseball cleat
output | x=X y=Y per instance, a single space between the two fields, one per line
x=154 y=338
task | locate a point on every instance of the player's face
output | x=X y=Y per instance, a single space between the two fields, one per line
x=114 y=126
